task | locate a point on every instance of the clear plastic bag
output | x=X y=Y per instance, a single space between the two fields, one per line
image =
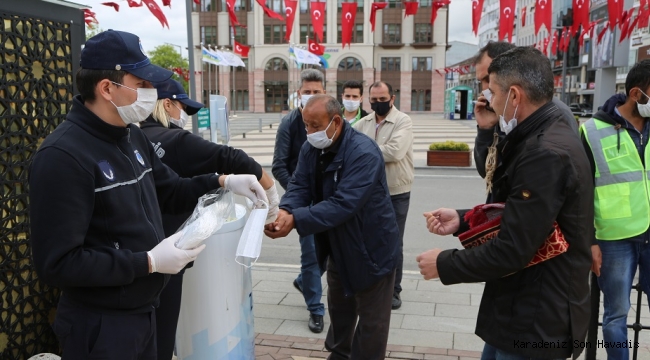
x=211 y=212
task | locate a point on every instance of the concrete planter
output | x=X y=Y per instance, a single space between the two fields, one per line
x=448 y=158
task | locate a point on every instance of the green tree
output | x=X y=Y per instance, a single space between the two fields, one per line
x=167 y=56
x=92 y=30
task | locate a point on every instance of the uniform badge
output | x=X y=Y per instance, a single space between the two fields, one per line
x=107 y=170
x=525 y=194
x=139 y=157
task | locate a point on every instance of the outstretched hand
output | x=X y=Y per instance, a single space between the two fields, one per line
x=281 y=227
x=442 y=221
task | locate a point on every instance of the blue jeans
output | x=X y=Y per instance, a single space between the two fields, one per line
x=492 y=353
x=620 y=260
x=310 y=274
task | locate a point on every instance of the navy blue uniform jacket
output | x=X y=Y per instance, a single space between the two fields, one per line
x=356 y=211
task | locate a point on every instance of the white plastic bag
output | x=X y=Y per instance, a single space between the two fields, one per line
x=250 y=242
x=211 y=212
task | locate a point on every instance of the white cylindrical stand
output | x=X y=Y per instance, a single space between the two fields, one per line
x=216 y=319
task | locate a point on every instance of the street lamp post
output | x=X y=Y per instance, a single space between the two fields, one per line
x=180 y=49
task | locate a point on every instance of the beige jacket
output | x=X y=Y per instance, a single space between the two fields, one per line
x=395 y=139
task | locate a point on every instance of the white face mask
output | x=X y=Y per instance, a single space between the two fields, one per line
x=319 y=139
x=250 y=242
x=182 y=121
x=644 y=109
x=141 y=108
x=304 y=99
x=507 y=127
x=351 y=105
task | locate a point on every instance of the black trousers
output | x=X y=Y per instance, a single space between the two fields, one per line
x=86 y=334
x=401 y=206
x=167 y=316
x=367 y=339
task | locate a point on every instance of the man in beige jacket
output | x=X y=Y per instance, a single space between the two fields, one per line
x=393 y=132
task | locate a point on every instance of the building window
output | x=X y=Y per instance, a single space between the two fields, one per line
x=241 y=35
x=209 y=35
x=393 y=4
x=208 y=5
x=240 y=100
x=359 y=4
x=274 y=34
x=421 y=64
x=425 y=3
x=304 y=6
x=350 y=64
x=392 y=34
x=357 y=34
x=240 y=5
x=391 y=64
x=308 y=30
x=276 y=5
x=422 y=33
x=276 y=64
x=421 y=100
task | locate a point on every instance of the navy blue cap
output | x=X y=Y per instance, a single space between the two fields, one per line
x=172 y=89
x=119 y=50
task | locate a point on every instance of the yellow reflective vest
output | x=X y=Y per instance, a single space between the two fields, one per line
x=622 y=188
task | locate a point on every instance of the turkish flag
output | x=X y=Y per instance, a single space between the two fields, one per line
x=230 y=4
x=411 y=8
x=290 y=7
x=348 y=14
x=114 y=5
x=614 y=11
x=507 y=19
x=580 y=14
x=373 y=11
x=543 y=14
x=156 y=11
x=554 y=43
x=167 y=3
x=545 y=46
x=477 y=10
x=241 y=49
x=602 y=33
x=523 y=16
x=133 y=3
x=316 y=48
x=318 y=18
x=270 y=13
x=644 y=14
x=434 y=11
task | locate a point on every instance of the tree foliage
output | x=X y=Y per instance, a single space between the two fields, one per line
x=168 y=57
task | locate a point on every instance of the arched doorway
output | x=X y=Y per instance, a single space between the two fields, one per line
x=349 y=68
x=276 y=85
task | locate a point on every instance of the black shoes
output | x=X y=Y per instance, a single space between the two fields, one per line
x=316 y=323
x=295 y=284
x=397 y=301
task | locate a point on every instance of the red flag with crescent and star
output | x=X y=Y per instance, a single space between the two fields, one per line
x=644 y=14
x=315 y=48
x=290 y=7
x=270 y=13
x=602 y=33
x=477 y=10
x=436 y=6
x=133 y=3
x=545 y=46
x=348 y=15
x=554 y=43
x=230 y=4
x=507 y=19
x=373 y=12
x=411 y=8
x=318 y=18
x=543 y=14
x=156 y=11
x=115 y=6
x=241 y=49
x=614 y=11
x=580 y=15
x=167 y=3
x=523 y=16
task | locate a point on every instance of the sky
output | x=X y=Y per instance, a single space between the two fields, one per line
x=141 y=22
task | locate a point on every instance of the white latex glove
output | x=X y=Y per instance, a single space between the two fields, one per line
x=274 y=202
x=166 y=258
x=246 y=185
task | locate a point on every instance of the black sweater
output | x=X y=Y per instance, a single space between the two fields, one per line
x=96 y=193
x=190 y=155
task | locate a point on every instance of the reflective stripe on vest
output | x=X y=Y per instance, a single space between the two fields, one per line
x=621 y=203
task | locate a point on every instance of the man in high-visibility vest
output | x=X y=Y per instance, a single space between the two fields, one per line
x=615 y=140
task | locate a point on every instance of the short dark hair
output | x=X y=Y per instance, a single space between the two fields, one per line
x=88 y=79
x=527 y=67
x=354 y=84
x=638 y=76
x=379 y=83
x=492 y=49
